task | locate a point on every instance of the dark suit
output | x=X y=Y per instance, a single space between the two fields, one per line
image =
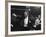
x=18 y=23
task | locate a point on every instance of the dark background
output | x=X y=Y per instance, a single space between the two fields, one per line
x=18 y=22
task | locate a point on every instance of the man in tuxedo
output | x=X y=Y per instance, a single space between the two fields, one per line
x=28 y=20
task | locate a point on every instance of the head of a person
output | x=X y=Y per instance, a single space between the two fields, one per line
x=25 y=14
x=28 y=8
x=39 y=16
x=27 y=11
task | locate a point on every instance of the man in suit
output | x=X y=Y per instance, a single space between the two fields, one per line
x=28 y=20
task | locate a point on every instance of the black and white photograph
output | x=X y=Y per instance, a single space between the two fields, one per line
x=25 y=18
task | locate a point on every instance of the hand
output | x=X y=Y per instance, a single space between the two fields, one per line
x=34 y=26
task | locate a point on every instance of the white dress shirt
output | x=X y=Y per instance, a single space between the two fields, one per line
x=26 y=21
